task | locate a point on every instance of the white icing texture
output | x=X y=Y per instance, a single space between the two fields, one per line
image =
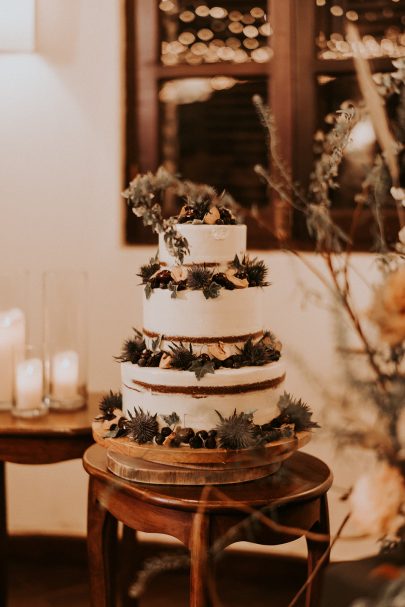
x=232 y=313
x=198 y=411
x=208 y=244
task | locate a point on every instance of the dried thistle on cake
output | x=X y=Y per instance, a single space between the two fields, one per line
x=132 y=349
x=294 y=411
x=205 y=206
x=236 y=431
x=108 y=404
x=201 y=207
x=182 y=357
x=254 y=269
x=142 y=427
x=258 y=354
x=199 y=277
x=149 y=269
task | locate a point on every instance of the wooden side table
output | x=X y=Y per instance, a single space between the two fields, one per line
x=203 y=518
x=53 y=438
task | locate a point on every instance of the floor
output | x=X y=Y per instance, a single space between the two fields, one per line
x=51 y=572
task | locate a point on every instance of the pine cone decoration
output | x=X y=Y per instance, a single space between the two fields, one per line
x=142 y=427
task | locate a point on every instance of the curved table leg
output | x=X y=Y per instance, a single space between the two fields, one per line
x=129 y=564
x=201 y=573
x=3 y=536
x=316 y=549
x=101 y=546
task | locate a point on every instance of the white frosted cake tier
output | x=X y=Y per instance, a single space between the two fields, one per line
x=162 y=391
x=208 y=244
x=231 y=317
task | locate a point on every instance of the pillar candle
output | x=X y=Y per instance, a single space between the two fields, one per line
x=65 y=374
x=12 y=339
x=29 y=384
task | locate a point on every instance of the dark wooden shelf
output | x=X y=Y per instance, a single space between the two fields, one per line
x=249 y=69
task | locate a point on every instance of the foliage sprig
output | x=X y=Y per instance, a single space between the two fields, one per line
x=145 y=192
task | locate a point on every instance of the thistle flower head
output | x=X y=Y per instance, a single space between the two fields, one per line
x=199 y=276
x=142 y=426
x=182 y=357
x=236 y=431
x=109 y=402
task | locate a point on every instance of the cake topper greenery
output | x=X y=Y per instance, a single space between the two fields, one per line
x=203 y=206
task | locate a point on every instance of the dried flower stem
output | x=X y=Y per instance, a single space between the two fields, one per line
x=319 y=564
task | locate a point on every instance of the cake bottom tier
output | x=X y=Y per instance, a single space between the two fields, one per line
x=164 y=391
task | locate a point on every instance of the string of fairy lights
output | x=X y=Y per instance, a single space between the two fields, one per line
x=194 y=33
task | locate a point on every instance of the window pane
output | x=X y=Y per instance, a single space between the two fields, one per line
x=232 y=31
x=211 y=133
x=381 y=24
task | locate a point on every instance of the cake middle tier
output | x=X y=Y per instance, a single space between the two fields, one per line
x=164 y=391
x=232 y=317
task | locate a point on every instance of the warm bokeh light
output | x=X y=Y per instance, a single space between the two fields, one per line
x=250 y=31
x=194 y=34
x=336 y=10
x=187 y=16
x=202 y=11
x=218 y=12
x=352 y=15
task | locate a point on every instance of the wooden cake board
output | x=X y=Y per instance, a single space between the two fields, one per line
x=144 y=471
x=160 y=465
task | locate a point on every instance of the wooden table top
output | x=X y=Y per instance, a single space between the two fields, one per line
x=54 y=424
x=301 y=477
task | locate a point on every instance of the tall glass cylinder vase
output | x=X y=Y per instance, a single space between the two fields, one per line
x=13 y=302
x=65 y=339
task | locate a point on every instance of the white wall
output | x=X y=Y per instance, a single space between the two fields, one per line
x=61 y=149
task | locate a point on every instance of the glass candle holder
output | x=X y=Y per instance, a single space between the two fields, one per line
x=65 y=339
x=13 y=295
x=28 y=383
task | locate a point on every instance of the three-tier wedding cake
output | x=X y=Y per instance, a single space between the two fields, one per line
x=204 y=353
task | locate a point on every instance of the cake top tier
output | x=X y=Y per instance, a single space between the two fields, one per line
x=209 y=244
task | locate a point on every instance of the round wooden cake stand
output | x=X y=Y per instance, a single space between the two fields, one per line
x=159 y=465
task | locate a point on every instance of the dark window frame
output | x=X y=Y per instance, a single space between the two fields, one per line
x=292 y=86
